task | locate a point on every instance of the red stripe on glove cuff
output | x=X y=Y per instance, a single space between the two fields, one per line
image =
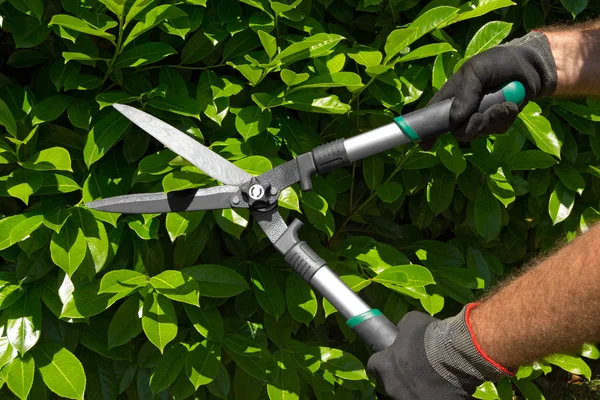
x=470 y=307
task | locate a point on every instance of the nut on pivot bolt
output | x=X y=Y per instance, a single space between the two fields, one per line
x=256 y=191
x=235 y=200
x=273 y=191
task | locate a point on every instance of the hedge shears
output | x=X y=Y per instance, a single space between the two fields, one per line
x=260 y=193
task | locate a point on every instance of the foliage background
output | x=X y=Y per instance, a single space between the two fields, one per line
x=198 y=304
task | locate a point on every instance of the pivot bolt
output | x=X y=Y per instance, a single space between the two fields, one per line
x=256 y=192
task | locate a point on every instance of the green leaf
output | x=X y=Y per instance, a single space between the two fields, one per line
x=22 y=183
x=53 y=158
x=122 y=280
x=268 y=42
x=19 y=375
x=570 y=363
x=159 y=320
x=126 y=323
x=373 y=170
x=7 y=119
x=349 y=80
x=389 y=192
x=81 y=25
x=440 y=190
x=429 y=50
x=378 y=256
x=488 y=36
x=137 y=7
x=203 y=360
x=216 y=280
x=177 y=285
x=450 y=154
x=366 y=56
x=68 y=247
x=76 y=56
x=50 y=109
x=487 y=214
x=24 y=321
x=85 y=301
x=401 y=38
x=570 y=177
x=317 y=102
x=168 y=367
x=79 y=113
x=530 y=159
x=501 y=188
x=561 y=203
x=101 y=378
x=342 y=364
x=34 y=8
x=179 y=105
x=242 y=345
x=180 y=224
x=207 y=322
x=287 y=385
x=267 y=290
x=575 y=6
x=144 y=54
x=310 y=47
x=290 y=78
x=197 y=48
x=300 y=299
x=533 y=125
x=153 y=18
x=60 y=369
x=103 y=135
x=405 y=275
x=251 y=121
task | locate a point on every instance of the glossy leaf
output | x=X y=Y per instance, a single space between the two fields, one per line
x=216 y=280
x=60 y=369
x=177 y=286
x=159 y=320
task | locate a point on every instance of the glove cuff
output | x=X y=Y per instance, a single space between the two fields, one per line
x=535 y=48
x=455 y=354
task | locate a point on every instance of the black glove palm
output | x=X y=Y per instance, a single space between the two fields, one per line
x=528 y=60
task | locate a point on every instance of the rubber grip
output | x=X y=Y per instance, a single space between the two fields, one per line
x=377 y=331
x=330 y=156
x=304 y=260
x=434 y=120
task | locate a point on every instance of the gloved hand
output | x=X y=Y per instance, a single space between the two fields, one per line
x=434 y=359
x=528 y=59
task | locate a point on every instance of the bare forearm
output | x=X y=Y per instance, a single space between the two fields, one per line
x=552 y=308
x=576 y=52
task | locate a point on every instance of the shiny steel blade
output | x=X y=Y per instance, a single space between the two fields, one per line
x=213 y=198
x=202 y=157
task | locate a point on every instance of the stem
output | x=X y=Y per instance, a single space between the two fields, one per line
x=355 y=95
x=118 y=50
x=182 y=67
x=355 y=211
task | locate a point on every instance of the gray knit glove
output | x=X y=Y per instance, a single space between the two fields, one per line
x=434 y=359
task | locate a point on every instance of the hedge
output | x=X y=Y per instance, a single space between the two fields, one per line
x=198 y=304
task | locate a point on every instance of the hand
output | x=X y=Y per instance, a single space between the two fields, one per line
x=433 y=359
x=528 y=60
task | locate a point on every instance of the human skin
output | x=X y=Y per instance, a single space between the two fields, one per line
x=553 y=306
x=577 y=56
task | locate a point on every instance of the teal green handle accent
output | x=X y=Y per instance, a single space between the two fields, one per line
x=408 y=131
x=514 y=92
x=357 y=319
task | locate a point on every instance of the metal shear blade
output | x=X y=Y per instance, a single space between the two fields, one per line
x=213 y=198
